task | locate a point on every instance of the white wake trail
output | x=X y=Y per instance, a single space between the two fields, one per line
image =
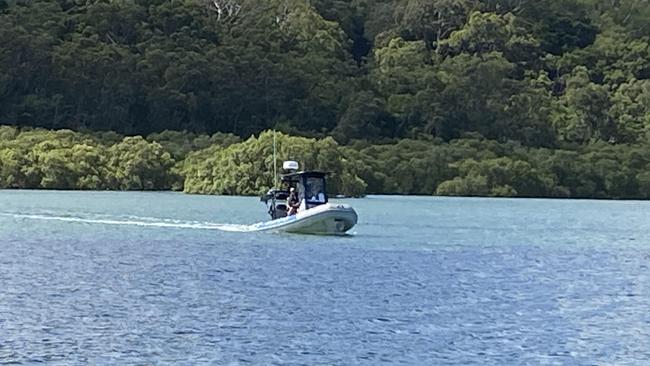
x=135 y=222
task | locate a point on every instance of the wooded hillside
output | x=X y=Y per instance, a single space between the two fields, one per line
x=542 y=72
x=545 y=98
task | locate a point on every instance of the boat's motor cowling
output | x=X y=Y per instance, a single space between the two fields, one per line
x=280 y=211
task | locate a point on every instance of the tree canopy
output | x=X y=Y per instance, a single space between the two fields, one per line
x=539 y=72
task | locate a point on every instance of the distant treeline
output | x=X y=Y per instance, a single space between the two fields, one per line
x=545 y=73
x=223 y=164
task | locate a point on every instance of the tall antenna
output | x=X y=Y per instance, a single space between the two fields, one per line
x=275 y=162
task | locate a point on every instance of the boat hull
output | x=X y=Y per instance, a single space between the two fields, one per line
x=327 y=219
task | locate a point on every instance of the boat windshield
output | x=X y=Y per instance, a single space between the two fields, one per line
x=315 y=190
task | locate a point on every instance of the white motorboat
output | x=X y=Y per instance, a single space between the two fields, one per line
x=327 y=219
x=303 y=206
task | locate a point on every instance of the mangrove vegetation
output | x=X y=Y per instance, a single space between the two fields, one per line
x=543 y=98
x=224 y=164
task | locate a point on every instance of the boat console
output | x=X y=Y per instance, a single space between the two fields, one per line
x=310 y=188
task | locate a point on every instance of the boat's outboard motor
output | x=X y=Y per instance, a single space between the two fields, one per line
x=276 y=210
x=280 y=211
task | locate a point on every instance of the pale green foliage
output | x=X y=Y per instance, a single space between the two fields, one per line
x=468 y=166
x=614 y=57
x=496 y=177
x=582 y=111
x=488 y=32
x=631 y=110
x=312 y=32
x=136 y=164
x=179 y=144
x=63 y=165
x=403 y=70
x=468 y=186
x=68 y=160
x=247 y=168
x=400 y=65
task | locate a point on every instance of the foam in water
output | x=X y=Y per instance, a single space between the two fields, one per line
x=138 y=221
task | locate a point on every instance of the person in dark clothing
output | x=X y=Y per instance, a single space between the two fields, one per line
x=293 y=202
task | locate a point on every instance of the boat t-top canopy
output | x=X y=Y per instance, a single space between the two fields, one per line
x=311 y=186
x=299 y=175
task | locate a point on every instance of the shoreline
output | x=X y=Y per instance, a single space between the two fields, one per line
x=368 y=196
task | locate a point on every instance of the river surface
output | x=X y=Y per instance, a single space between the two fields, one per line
x=165 y=278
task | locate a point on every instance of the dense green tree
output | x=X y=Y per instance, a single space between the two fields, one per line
x=614 y=57
x=405 y=77
x=247 y=168
x=469 y=166
x=179 y=144
x=359 y=69
x=478 y=91
x=489 y=32
x=497 y=177
x=431 y=21
x=476 y=88
x=561 y=26
x=631 y=14
x=582 y=110
x=135 y=164
x=67 y=160
x=365 y=117
x=631 y=110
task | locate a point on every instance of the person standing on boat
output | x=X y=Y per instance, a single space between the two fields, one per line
x=293 y=202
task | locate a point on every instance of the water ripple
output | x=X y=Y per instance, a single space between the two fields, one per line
x=532 y=282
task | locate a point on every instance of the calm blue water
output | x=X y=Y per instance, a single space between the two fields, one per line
x=152 y=278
